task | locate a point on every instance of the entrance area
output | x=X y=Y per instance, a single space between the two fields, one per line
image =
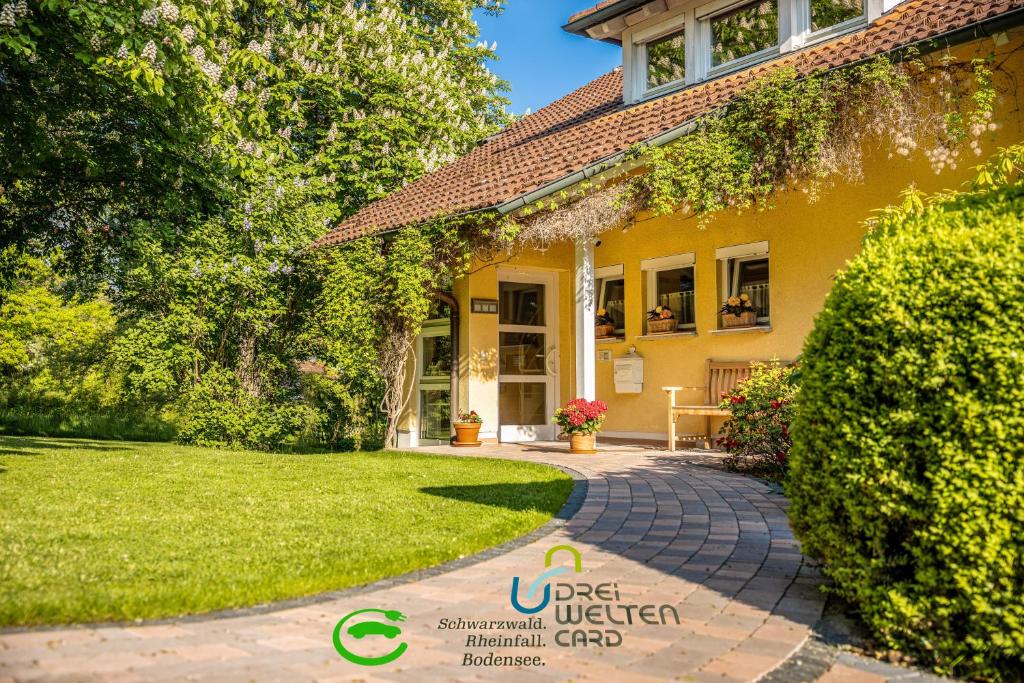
x=527 y=355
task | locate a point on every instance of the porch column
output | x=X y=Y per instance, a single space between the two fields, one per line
x=586 y=309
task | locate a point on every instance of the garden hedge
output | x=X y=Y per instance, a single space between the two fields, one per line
x=907 y=468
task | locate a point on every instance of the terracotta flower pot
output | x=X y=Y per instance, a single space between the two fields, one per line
x=582 y=444
x=745 y=319
x=467 y=434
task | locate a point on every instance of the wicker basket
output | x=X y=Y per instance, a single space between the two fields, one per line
x=661 y=326
x=604 y=331
x=745 y=319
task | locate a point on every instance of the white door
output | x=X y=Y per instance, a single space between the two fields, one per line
x=527 y=355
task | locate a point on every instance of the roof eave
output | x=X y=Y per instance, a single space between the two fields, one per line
x=580 y=26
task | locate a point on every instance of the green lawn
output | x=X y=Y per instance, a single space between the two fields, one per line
x=93 y=531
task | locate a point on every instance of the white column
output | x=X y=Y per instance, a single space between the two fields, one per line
x=586 y=309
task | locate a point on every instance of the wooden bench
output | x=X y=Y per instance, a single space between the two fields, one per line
x=719 y=376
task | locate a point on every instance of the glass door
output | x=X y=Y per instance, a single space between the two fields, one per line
x=435 y=374
x=527 y=356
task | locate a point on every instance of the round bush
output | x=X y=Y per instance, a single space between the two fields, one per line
x=907 y=476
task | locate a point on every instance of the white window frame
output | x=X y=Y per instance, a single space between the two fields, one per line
x=739 y=253
x=694 y=17
x=437 y=327
x=651 y=268
x=712 y=10
x=640 y=40
x=601 y=277
x=801 y=34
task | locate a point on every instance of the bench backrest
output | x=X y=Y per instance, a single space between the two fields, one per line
x=723 y=376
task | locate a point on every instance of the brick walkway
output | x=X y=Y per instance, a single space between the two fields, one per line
x=713 y=545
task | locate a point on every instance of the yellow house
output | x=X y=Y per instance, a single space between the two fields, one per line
x=525 y=339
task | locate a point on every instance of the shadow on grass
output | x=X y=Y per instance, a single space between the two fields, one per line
x=20 y=445
x=542 y=496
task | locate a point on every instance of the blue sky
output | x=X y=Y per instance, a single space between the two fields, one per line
x=539 y=59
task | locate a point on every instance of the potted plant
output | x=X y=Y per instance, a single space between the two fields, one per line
x=581 y=420
x=660 y=320
x=467 y=429
x=738 y=312
x=604 y=326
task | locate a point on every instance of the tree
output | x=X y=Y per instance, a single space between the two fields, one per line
x=125 y=118
x=187 y=155
x=51 y=346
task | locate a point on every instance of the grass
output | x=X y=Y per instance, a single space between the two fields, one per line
x=96 y=531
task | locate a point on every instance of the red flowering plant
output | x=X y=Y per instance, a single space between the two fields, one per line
x=580 y=416
x=469 y=417
x=761 y=408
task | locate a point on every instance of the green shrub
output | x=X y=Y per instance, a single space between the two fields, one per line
x=907 y=475
x=217 y=412
x=71 y=422
x=344 y=420
x=756 y=435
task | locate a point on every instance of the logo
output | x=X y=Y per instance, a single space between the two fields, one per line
x=549 y=573
x=362 y=629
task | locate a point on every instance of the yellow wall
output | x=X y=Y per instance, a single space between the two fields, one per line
x=808 y=244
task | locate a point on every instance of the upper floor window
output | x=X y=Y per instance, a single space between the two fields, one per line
x=743 y=31
x=825 y=14
x=666 y=59
x=702 y=39
x=659 y=57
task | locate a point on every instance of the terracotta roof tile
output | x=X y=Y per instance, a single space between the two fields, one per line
x=592 y=124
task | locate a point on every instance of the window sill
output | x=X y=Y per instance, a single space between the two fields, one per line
x=668 y=335
x=741 y=63
x=755 y=329
x=664 y=89
x=610 y=340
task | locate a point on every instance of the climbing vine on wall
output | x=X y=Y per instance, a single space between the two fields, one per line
x=797 y=133
x=375 y=294
x=786 y=132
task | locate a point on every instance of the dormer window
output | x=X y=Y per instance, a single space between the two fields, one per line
x=744 y=32
x=833 y=16
x=666 y=60
x=689 y=41
x=659 y=57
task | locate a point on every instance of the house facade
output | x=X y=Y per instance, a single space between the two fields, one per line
x=517 y=337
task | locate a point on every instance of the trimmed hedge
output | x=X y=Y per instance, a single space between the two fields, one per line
x=907 y=468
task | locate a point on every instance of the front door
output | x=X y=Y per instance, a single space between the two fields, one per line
x=527 y=355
